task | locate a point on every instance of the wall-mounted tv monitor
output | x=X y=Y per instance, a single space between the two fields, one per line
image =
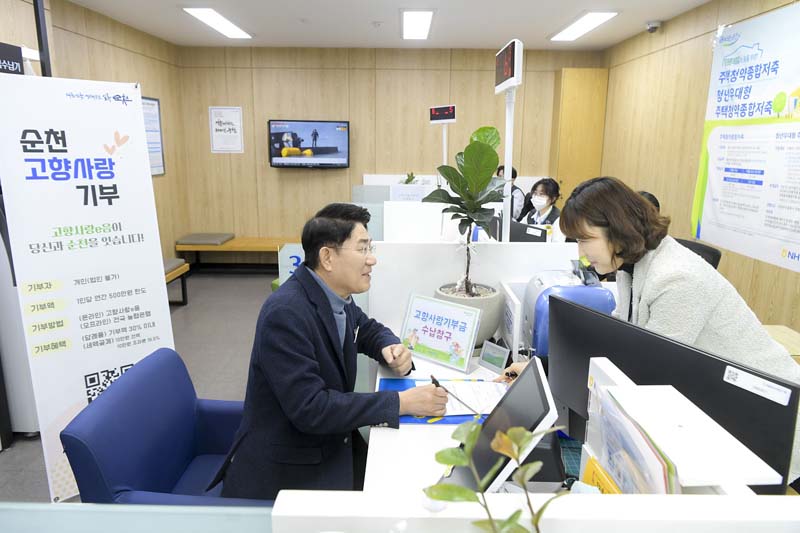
x=309 y=143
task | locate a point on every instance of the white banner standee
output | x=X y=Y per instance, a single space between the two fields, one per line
x=75 y=174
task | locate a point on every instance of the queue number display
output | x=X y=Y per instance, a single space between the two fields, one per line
x=443 y=114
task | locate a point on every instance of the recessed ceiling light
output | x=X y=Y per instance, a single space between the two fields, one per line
x=218 y=22
x=416 y=24
x=582 y=26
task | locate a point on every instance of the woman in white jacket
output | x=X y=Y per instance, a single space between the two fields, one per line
x=665 y=287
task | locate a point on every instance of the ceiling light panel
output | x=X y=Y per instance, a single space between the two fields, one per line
x=417 y=24
x=218 y=22
x=582 y=26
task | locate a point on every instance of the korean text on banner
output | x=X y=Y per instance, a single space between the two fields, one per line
x=84 y=238
x=747 y=197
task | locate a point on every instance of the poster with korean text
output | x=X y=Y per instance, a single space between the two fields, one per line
x=440 y=331
x=747 y=197
x=78 y=194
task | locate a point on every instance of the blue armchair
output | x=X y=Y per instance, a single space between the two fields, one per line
x=148 y=439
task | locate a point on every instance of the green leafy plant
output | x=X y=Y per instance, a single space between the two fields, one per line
x=510 y=444
x=471 y=184
x=410 y=178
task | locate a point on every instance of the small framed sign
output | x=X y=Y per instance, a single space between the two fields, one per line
x=494 y=357
x=442 y=332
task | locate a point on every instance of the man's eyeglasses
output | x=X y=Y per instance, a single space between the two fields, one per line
x=363 y=250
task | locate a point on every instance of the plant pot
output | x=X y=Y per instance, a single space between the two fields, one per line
x=491 y=306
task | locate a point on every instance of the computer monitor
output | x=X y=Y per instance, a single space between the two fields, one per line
x=578 y=333
x=518 y=232
x=527 y=403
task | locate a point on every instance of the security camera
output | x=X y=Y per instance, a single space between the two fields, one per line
x=653 y=25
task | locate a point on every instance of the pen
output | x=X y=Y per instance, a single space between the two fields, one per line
x=437 y=384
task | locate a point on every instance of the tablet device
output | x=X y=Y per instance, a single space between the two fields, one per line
x=528 y=403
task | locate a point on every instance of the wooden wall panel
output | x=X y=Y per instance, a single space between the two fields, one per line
x=303 y=58
x=534 y=155
x=243 y=170
x=362 y=114
x=654 y=119
x=208 y=175
x=681 y=113
x=288 y=197
x=415 y=59
x=17 y=23
x=472 y=91
x=404 y=139
x=577 y=142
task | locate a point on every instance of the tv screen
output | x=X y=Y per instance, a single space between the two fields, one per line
x=309 y=143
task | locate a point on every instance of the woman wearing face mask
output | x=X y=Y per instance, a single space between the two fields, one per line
x=540 y=206
x=665 y=287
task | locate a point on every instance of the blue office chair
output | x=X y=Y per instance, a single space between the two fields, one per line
x=148 y=439
x=594 y=296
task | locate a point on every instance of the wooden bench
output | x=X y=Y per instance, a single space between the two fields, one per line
x=177 y=269
x=213 y=242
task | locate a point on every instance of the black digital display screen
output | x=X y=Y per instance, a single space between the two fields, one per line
x=445 y=112
x=504 y=64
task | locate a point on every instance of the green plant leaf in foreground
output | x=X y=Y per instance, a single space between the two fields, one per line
x=510 y=525
x=452 y=457
x=502 y=444
x=491 y=474
x=480 y=163
x=451 y=493
x=538 y=517
x=488 y=135
x=520 y=436
x=443 y=197
x=467 y=434
x=454 y=178
x=525 y=472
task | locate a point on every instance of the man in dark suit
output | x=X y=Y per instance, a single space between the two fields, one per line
x=299 y=429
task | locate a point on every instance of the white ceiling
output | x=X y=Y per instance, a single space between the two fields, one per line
x=376 y=23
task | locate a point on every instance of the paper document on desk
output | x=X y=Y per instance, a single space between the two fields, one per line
x=482 y=396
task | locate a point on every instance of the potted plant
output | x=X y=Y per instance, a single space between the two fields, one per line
x=512 y=444
x=472 y=186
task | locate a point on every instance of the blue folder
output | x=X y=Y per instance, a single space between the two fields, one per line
x=401 y=384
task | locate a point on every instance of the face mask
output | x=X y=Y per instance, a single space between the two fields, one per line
x=539 y=202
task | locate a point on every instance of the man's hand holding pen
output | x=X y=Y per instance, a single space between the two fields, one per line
x=428 y=400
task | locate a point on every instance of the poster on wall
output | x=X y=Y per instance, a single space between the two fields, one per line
x=225 y=125
x=151 y=107
x=84 y=236
x=747 y=197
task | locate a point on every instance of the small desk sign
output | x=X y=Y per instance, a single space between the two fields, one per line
x=10 y=59
x=494 y=357
x=442 y=332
